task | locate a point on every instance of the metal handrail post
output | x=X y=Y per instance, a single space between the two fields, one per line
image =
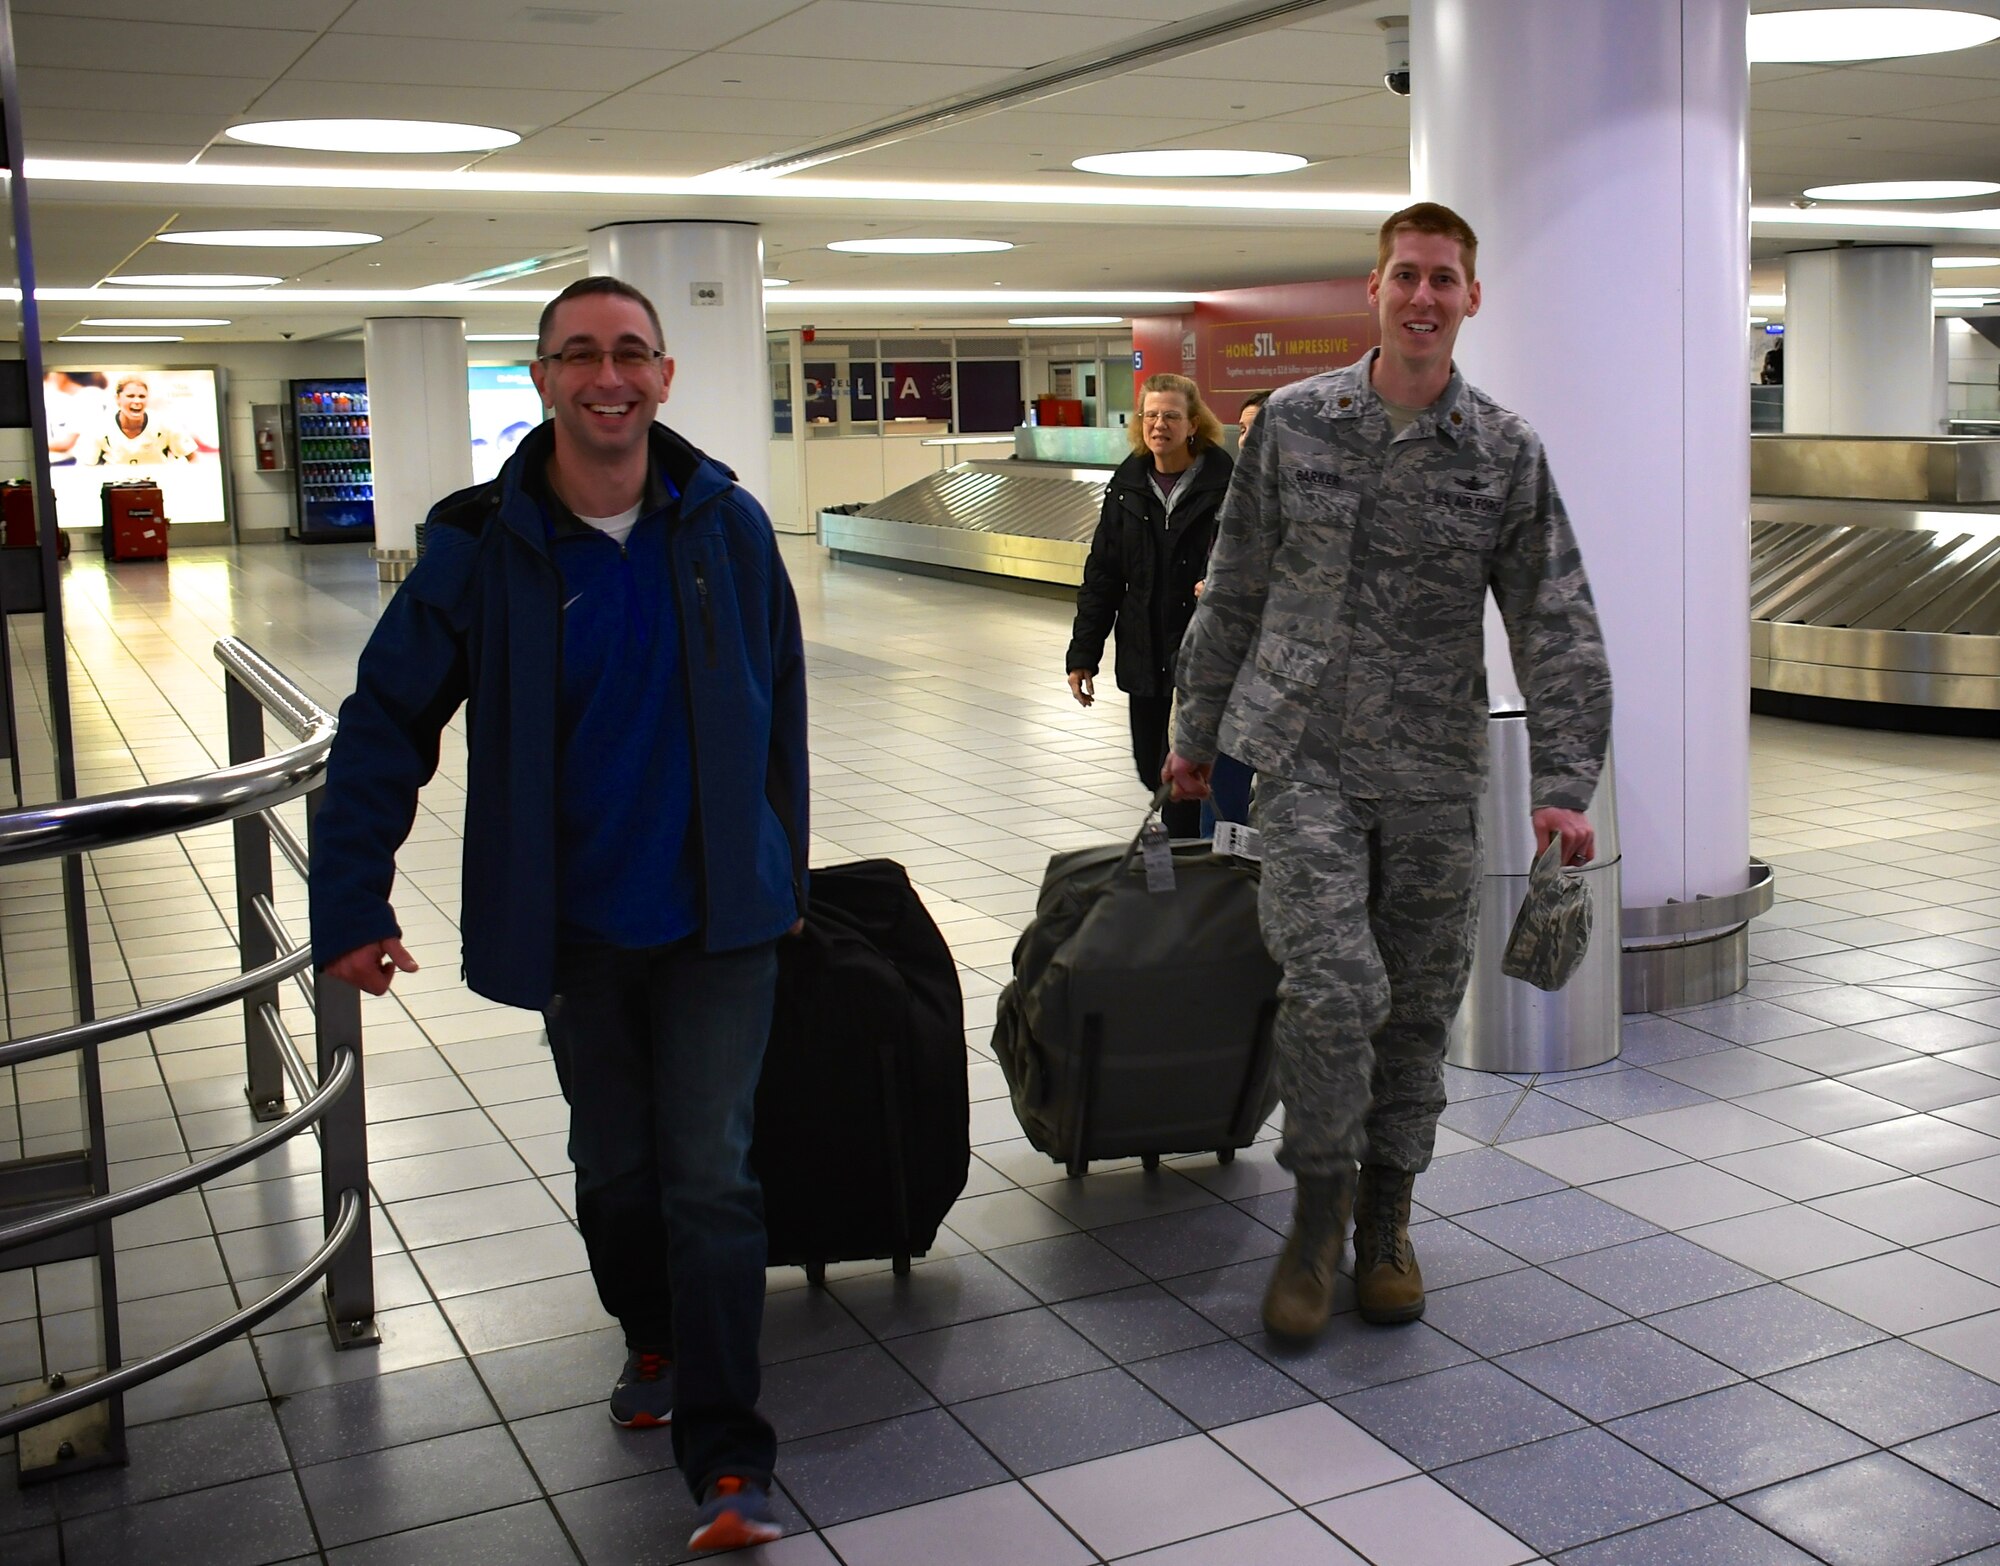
x=343 y=1152
x=105 y=1442
x=264 y=1072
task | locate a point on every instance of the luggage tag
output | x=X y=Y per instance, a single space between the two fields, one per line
x=1238 y=841
x=1156 y=850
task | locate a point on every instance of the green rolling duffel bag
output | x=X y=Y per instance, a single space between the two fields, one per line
x=1138 y=1022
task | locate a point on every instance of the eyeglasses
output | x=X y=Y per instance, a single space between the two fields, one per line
x=1164 y=418
x=626 y=356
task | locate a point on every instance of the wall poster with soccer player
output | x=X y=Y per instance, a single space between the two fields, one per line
x=109 y=426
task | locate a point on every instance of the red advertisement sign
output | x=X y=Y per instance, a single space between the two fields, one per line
x=1240 y=357
x=1257 y=339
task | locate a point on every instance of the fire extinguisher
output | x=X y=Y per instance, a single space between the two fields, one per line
x=267 y=449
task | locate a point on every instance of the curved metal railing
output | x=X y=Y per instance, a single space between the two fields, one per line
x=246 y=792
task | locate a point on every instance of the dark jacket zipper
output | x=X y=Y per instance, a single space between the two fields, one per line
x=707 y=614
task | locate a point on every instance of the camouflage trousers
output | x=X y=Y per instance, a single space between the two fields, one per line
x=1369 y=906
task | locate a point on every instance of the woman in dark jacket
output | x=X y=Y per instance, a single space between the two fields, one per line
x=1146 y=561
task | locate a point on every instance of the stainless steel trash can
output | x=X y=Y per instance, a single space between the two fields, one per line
x=1505 y=1025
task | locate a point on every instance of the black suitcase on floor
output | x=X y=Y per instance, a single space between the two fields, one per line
x=1138 y=1021
x=863 y=1137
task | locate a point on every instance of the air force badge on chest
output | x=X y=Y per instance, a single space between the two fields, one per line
x=1468 y=494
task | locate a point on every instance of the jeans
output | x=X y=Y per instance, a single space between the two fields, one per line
x=659 y=1051
x=1228 y=795
x=1150 y=717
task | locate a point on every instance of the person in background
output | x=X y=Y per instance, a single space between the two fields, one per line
x=614 y=613
x=1146 y=564
x=78 y=405
x=1339 y=650
x=1229 y=784
x=1247 y=416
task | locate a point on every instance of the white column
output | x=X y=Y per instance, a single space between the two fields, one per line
x=419 y=422
x=1941 y=377
x=1598 y=151
x=707 y=282
x=1858 y=334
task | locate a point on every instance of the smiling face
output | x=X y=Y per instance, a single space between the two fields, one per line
x=132 y=399
x=603 y=411
x=1421 y=298
x=1165 y=422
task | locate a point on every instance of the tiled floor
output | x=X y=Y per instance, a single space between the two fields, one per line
x=1733 y=1298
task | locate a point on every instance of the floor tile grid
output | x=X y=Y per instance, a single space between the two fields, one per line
x=1115 y=773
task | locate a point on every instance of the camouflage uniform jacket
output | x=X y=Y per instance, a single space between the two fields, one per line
x=1340 y=638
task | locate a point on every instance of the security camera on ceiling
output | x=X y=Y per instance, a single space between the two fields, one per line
x=1396 y=35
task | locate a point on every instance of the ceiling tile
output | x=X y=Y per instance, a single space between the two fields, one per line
x=1199 y=98
x=668 y=154
x=1947 y=137
x=355 y=57
x=293 y=15
x=148 y=134
x=1036 y=126
x=620 y=24
x=645 y=109
x=932 y=34
x=82 y=43
x=54 y=88
x=511 y=108
x=1286 y=55
x=1379 y=110
x=882 y=88
x=1158 y=13
x=1856 y=91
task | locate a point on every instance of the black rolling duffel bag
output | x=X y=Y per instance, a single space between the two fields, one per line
x=862 y=1139
x=1139 y=1018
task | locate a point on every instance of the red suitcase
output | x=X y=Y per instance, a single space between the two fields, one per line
x=17 y=507
x=135 y=522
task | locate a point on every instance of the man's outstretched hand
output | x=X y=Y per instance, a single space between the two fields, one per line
x=1189 y=779
x=1579 y=838
x=371 y=967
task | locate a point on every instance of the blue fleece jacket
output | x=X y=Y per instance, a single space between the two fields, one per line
x=479 y=621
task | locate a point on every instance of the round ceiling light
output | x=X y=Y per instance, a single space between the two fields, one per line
x=1955 y=263
x=153 y=320
x=271 y=238
x=194 y=280
x=413 y=136
x=1065 y=320
x=1904 y=190
x=107 y=337
x=1189 y=163
x=919 y=247
x=1864 y=33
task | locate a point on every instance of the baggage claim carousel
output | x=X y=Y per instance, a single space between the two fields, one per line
x=1874 y=577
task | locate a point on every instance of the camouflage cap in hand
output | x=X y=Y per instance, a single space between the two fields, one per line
x=1552 y=930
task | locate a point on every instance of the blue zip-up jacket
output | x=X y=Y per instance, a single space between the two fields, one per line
x=479 y=622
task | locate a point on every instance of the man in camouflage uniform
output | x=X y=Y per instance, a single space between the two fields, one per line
x=1338 y=650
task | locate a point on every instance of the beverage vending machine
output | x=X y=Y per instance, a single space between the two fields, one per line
x=336 y=479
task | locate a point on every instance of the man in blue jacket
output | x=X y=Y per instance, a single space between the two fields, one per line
x=614 y=614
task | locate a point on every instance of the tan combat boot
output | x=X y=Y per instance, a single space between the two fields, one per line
x=1388 y=1284
x=1300 y=1297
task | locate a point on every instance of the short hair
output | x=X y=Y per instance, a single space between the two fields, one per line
x=132 y=380
x=1427 y=217
x=1207 y=429
x=599 y=284
x=1254 y=400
